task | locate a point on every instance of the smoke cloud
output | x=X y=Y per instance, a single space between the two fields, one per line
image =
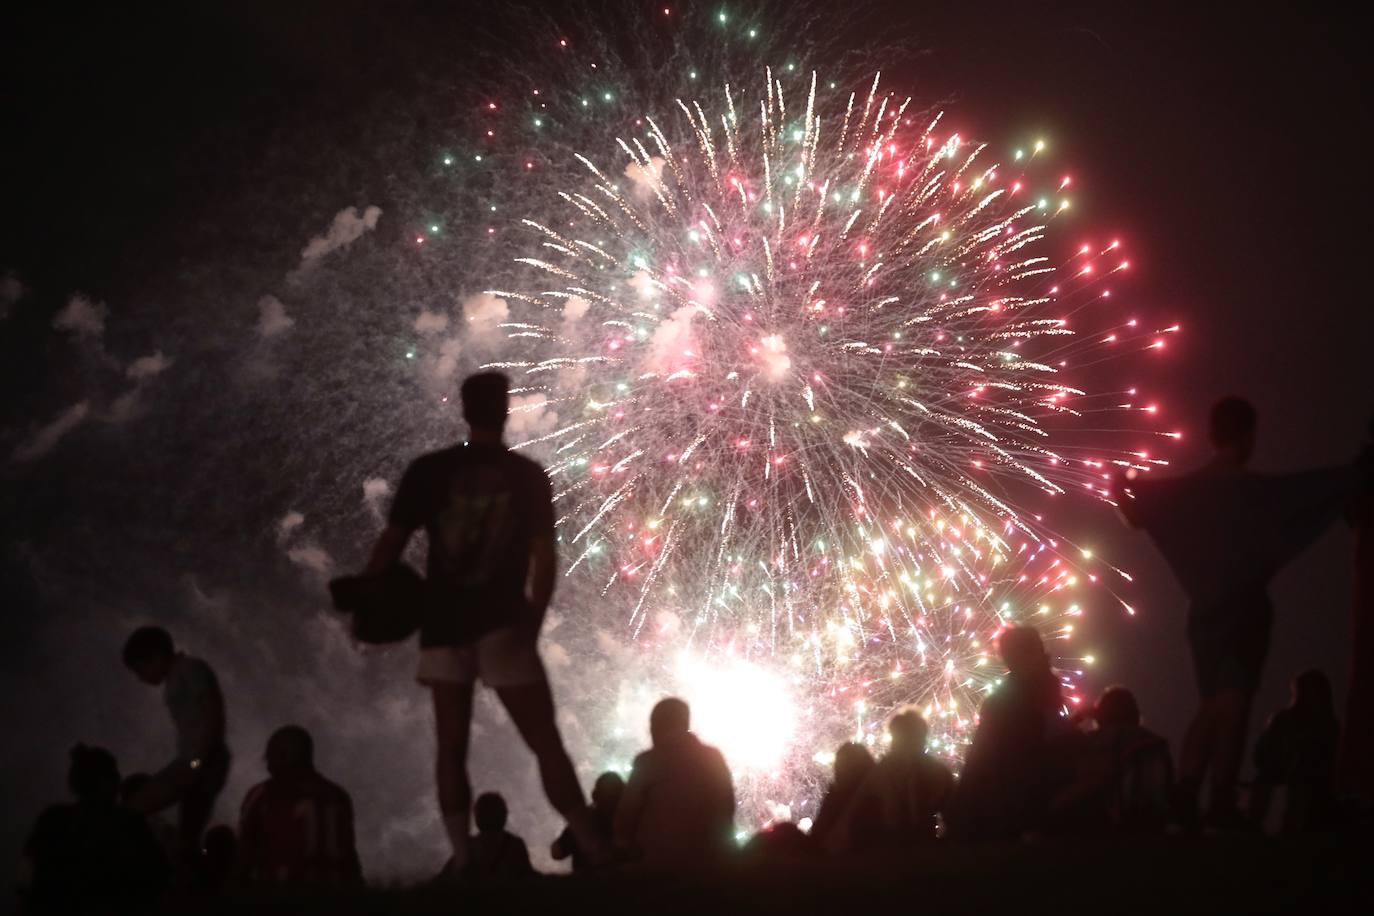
x=272 y=317
x=347 y=228
x=431 y=322
x=645 y=177
x=150 y=366
x=375 y=492
x=82 y=317
x=47 y=437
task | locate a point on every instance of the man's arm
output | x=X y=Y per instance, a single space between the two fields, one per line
x=543 y=554
x=408 y=512
x=543 y=567
x=387 y=552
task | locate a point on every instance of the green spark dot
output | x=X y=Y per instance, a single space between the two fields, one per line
x=448 y=160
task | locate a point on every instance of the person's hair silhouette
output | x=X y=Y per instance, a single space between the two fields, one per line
x=669 y=719
x=1117 y=706
x=148 y=653
x=489 y=813
x=290 y=750
x=486 y=400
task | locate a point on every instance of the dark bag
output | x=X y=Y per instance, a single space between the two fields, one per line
x=386 y=608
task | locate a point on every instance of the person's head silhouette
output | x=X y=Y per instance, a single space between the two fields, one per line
x=489 y=813
x=1312 y=693
x=290 y=752
x=606 y=791
x=852 y=763
x=908 y=730
x=219 y=850
x=1022 y=651
x=1116 y=707
x=149 y=653
x=93 y=775
x=486 y=403
x=669 y=721
x=1231 y=428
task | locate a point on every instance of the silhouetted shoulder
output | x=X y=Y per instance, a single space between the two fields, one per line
x=334 y=794
x=529 y=468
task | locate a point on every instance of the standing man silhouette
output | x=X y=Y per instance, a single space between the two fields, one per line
x=488 y=513
x=1226 y=531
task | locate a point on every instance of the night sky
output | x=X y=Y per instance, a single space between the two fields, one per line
x=1223 y=147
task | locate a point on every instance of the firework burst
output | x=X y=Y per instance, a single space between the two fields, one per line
x=810 y=358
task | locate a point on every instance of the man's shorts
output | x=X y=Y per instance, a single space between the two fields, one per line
x=502 y=658
x=1229 y=646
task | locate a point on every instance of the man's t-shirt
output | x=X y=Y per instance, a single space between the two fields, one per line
x=298 y=831
x=193 y=698
x=482 y=507
x=1226 y=532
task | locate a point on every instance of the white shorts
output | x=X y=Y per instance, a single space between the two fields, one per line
x=502 y=658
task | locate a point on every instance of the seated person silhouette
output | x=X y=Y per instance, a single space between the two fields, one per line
x=678 y=810
x=297 y=827
x=1011 y=771
x=92 y=855
x=1137 y=772
x=606 y=795
x=1297 y=752
x=852 y=765
x=495 y=853
x=900 y=802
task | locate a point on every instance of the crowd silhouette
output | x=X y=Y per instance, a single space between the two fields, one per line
x=1031 y=769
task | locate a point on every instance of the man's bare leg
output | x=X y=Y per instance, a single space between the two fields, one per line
x=1194 y=759
x=531 y=709
x=1232 y=724
x=452 y=726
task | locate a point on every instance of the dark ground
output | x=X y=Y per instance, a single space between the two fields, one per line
x=1161 y=875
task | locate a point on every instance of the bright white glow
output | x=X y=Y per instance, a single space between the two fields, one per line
x=744 y=710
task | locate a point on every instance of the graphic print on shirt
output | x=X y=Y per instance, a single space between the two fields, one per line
x=477 y=526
